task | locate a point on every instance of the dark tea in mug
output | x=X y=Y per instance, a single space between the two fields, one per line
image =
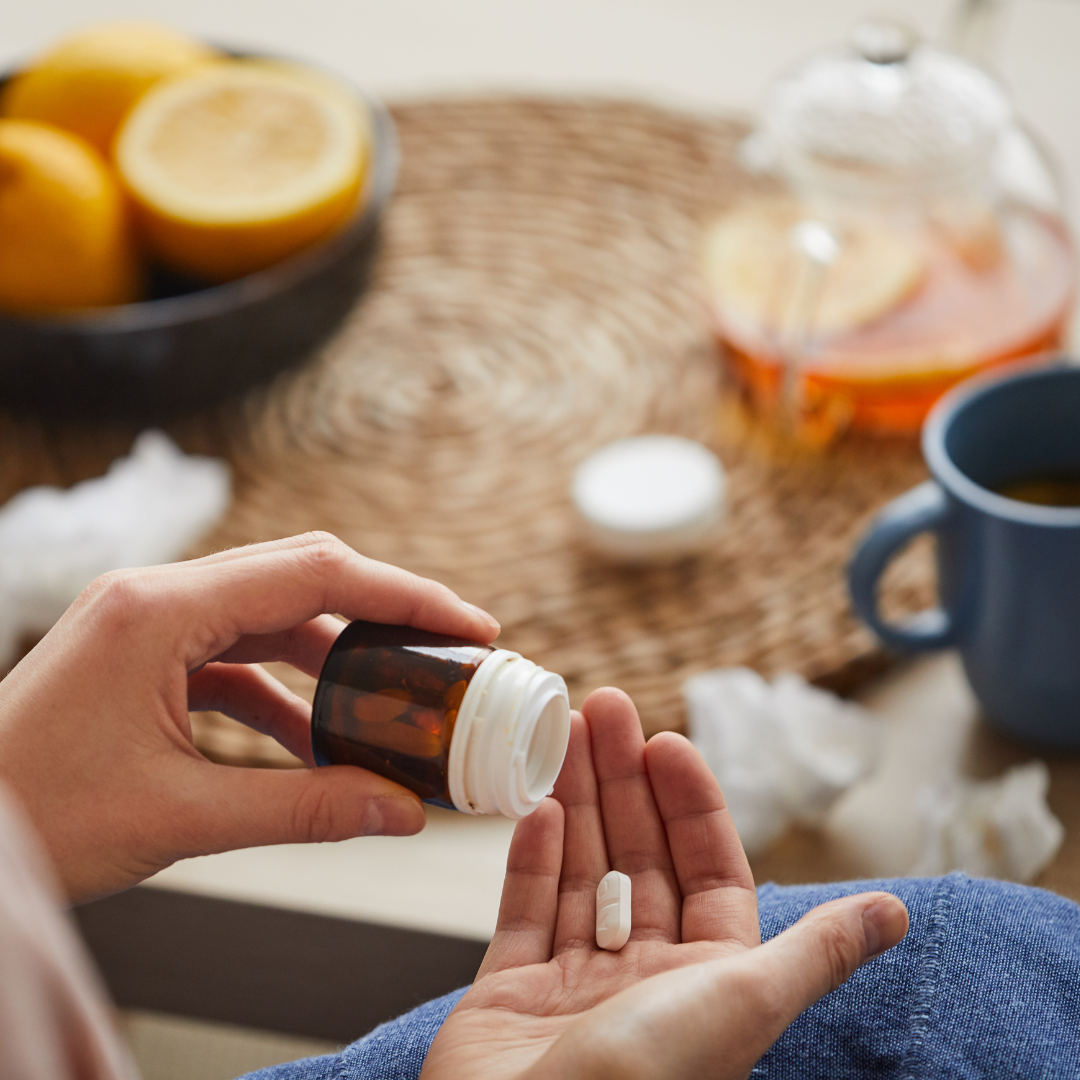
x=1044 y=489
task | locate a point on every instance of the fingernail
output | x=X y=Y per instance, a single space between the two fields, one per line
x=481 y=613
x=884 y=924
x=393 y=816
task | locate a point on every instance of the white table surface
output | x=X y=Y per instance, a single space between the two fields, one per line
x=698 y=54
x=446 y=879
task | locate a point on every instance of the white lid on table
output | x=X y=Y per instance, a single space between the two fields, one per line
x=651 y=497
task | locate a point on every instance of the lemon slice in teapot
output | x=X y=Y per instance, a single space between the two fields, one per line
x=752 y=265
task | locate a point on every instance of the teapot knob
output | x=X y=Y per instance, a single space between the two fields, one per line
x=884 y=41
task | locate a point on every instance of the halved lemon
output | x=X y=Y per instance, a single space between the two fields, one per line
x=89 y=81
x=63 y=231
x=238 y=164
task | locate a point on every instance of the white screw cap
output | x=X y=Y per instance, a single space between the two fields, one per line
x=510 y=738
x=613 y=911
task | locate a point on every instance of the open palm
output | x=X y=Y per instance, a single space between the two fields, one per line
x=548 y=999
x=651 y=811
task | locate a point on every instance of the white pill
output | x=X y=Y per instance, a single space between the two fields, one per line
x=613 y=911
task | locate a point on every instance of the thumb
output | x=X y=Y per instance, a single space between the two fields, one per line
x=717 y=1018
x=240 y=808
x=823 y=950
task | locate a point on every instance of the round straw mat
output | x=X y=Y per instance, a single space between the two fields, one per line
x=537 y=296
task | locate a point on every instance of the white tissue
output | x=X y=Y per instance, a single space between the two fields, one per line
x=782 y=751
x=147 y=509
x=998 y=828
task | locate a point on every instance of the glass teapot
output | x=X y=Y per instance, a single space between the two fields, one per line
x=913 y=234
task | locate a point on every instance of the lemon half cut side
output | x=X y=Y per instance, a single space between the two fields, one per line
x=236 y=165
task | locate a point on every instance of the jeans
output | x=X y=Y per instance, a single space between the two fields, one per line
x=986 y=984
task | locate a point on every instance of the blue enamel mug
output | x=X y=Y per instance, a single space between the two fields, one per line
x=1008 y=571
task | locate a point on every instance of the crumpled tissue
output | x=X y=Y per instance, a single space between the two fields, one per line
x=147 y=509
x=1001 y=828
x=783 y=751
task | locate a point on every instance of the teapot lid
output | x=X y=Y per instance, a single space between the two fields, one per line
x=886 y=115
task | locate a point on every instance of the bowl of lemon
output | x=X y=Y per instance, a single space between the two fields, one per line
x=177 y=224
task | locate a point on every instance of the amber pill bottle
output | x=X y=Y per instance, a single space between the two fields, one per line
x=463 y=725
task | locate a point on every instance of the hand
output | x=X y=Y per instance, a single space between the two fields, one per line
x=95 y=736
x=693 y=993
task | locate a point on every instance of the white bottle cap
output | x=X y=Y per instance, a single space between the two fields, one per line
x=650 y=498
x=613 y=911
x=510 y=737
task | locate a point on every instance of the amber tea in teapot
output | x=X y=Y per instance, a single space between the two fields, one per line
x=918 y=239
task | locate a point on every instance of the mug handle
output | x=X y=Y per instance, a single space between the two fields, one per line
x=922 y=509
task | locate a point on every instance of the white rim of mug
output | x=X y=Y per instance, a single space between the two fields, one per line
x=954 y=480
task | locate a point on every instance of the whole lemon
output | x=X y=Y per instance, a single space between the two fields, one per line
x=64 y=240
x=89 y=81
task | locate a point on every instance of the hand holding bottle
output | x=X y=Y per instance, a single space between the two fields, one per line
x=95 y=737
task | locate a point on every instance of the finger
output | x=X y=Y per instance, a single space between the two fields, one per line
x=530 y=896
x=241 y=551
x=719 y=901
x=819 y=953
x=585 y=859
x=636 y=840
x=279 y=587
x=304 y=647
x=224 y=807
x=254 y=697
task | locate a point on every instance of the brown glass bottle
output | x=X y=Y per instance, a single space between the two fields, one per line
x=463 y=725
x=387 y=700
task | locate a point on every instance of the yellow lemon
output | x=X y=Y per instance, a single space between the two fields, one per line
x=63 y=234
x=235 y=165
x=89 y=81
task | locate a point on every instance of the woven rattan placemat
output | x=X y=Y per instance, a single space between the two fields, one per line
x=537 y=296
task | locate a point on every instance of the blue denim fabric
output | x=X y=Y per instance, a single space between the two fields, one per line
x=986 y=984
x=393 y=1051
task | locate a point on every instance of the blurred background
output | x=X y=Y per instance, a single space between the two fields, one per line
x=689 y=53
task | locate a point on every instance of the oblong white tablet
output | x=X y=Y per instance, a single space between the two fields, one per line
x=613 y=911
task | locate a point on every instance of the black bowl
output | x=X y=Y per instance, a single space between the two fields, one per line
x=192 y=345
